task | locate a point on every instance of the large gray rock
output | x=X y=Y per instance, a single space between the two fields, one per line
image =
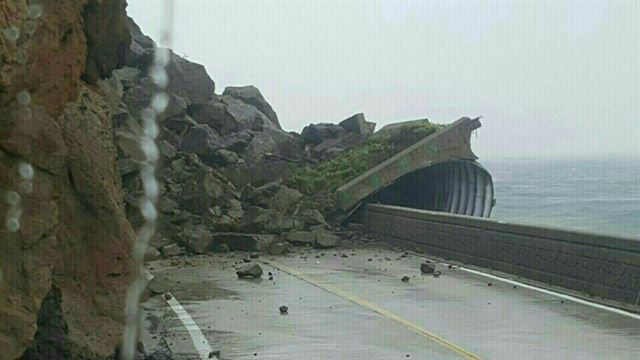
x=317 y=133
x=202 y=140
x=251 y=95
x=278 y=247
x=326 y=239
x=301 y=238
x=172 y=250
x=262 y=220
x=243 y=241
x=357 y=124
x=179 y=124
x=273 y=143
x=237 y=141
x=275 y=195
x=250 y=271
x=202 y=190
x=139 y=96
x=245 y=116
x=212 y=113
x=186 y=79
x=197 y=239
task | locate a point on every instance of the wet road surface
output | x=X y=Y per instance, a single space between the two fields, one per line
x=332 y=302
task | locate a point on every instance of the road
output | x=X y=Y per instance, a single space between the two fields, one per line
x=351 y=304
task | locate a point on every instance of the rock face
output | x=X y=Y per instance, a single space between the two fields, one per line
x=74 y=238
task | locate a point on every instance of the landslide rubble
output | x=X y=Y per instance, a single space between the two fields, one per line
x=231 y=178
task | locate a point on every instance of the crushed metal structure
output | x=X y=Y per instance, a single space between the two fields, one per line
x=438 y=173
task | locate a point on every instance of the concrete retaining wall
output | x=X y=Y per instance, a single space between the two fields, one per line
x=596 y=265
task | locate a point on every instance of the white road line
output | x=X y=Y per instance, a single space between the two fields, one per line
x=197 y=337
x=199 y=341
x=556 y=294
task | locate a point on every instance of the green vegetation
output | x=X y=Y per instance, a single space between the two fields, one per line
x=327 y=176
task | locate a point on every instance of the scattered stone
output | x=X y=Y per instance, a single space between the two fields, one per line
x=489 y=284
x=284 y=310
x=250 y=271
x=254 y=256
x=167 y=296
x=214 y=354
x=427 y=268
x=405 y=279
x=436 y=273
x=246 y=260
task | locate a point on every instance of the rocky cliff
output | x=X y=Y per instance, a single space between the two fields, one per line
x=74 y=77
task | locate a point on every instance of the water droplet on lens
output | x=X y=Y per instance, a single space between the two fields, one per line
x=25 y=170
x=160 y=102
x=149 y=148
x=34 y=11
x=13 y=198
x=23 y=98
x=159 y=76
x=11 y=33
x=161 y=57
x=13 y=224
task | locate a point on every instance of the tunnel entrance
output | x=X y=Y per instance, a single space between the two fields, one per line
x=461 y=187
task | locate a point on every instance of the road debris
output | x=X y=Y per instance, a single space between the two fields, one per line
x=250 y=271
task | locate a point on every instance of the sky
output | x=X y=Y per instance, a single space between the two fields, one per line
x=550 y=78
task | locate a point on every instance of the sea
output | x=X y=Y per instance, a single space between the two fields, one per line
x=601 y=196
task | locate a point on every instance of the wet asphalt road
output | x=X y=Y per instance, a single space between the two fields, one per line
x=240 y=318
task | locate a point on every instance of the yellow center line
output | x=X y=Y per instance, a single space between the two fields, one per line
x=373 y=307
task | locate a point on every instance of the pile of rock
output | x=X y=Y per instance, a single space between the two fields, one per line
x=223 y=160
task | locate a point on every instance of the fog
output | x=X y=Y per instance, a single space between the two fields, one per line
x=552 y=79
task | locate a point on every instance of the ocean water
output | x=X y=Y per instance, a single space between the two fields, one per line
x=601 y=196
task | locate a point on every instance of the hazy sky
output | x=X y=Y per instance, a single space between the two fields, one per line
x=550 y=78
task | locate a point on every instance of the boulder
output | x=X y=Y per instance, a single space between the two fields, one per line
x=212 y=113
x=427 y=268
x=197 y=239
x=251 y=95
x=250 y=271
x=311 y=218
x=179 y=123
x=151 y=254
x=358 y=125
x=138 y=97
x=326 y=240
x=272 y=143
x=187 y=79
x=301 y=238
x=317 y=133
x=201 y=190
x=278 y=247
x=262 y=220
x=202 y=140
x=223 y=157
x=172 y=250
x=275 y=195
x=244 y=116
x=237 y=141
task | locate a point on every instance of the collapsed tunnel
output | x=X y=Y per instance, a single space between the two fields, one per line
x=461 y=187
x=437 y=173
